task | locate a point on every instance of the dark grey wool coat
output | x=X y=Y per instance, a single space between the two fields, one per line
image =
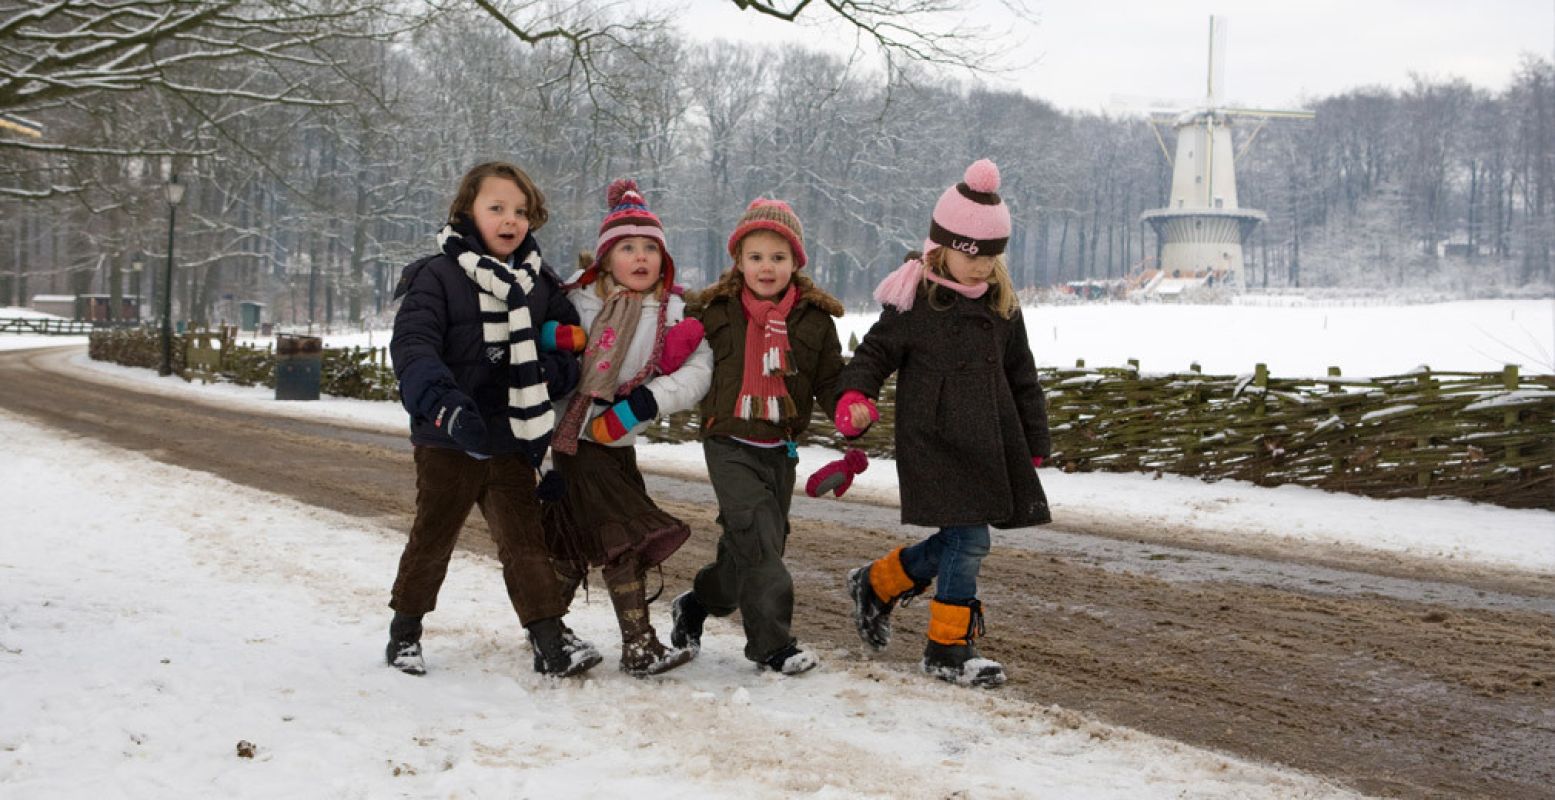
x=969 y=411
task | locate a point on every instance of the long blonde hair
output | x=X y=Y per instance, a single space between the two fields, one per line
x=1001 y=288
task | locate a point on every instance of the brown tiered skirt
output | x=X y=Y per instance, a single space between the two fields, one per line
x=607 y=515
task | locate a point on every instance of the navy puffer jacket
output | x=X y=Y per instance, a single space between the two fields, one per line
x=438 y=347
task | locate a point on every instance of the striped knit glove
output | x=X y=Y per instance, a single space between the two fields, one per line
x=566 y=338
x=639 y=406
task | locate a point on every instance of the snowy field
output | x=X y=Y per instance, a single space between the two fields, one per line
x=1434 y=528
x=145 y=634
x=1297 y=341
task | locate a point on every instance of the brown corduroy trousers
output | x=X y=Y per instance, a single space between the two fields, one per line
x=448 y=484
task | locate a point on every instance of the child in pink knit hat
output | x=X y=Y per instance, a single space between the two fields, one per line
x=971 y=423
x=777 y=357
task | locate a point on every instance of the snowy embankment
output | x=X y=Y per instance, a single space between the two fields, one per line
x=1475 y=533
x=1294 y=341
x=153 y=618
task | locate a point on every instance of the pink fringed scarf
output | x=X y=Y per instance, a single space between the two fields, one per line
x=900 y=288
x=763 y=394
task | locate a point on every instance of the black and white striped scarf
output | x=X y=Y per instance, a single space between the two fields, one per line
x=505 y=321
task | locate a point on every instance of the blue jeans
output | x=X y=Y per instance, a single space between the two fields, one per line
x=952 y=556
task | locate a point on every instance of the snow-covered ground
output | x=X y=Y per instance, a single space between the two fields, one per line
x=153 y=618
x=28 y=341
x=19 y=312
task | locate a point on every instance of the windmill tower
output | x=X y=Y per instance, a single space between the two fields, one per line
x=1201 y=230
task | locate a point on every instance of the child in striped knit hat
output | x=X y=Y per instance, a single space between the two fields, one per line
x=641 y=359
x=971 y=424
x=776 y=355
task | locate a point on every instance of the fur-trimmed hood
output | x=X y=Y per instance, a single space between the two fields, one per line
x=808 y=293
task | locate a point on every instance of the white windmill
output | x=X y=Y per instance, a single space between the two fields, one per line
x=1201 y=230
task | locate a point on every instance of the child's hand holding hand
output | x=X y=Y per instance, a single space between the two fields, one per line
x=680 y=341
x=556 y=337
x=621 y=418
x=855 y=413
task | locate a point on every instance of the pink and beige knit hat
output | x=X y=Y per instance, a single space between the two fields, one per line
x=628 y=216
x=775 y=216
x=970 y=216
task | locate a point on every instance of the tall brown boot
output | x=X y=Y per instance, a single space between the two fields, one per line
x=642 y=654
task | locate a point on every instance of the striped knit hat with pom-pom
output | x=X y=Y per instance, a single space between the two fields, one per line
x=628 y=216
x=970 y=216
x=770 y=215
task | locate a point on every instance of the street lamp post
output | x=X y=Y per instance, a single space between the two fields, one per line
x=136 y=265
x=175 y=193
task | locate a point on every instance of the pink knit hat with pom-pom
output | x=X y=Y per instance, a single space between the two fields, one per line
x=628 y=216
x=970 y=216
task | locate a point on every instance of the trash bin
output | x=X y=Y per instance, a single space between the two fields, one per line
x=298 y=360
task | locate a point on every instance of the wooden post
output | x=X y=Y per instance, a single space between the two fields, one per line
x=1261 y=380
x=1337 y=465
x=1510 y=382
x=1423 y=442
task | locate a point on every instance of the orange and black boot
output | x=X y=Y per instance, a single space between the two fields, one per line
x=950 y=654
x=876 y=589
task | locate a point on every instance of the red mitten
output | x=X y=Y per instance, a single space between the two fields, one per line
x=837 y=476
x=1036 y=461
x=680 y=341
x=843 y=419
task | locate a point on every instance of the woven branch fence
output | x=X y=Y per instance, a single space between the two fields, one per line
x=1480 y=436
x=361 y=373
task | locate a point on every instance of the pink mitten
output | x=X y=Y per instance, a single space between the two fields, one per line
x=1036 y=461
x=680 y=341
x=837 y=476
x=843 y=418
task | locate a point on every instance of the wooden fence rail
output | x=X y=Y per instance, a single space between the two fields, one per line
x=43 y=326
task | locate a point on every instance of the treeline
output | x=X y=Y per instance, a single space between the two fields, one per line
x=311 y=199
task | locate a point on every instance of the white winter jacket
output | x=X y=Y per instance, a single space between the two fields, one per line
x=675 y=392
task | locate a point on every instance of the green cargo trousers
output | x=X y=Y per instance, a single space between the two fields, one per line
x=754 y=486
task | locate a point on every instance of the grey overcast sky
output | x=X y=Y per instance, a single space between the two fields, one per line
x=1080 y=54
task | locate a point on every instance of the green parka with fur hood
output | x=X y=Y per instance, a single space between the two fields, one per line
x=815 y=349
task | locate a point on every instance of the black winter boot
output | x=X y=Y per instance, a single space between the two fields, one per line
x=871 y=614
x=404 y=650
x=790 y=660
x=686 y=618
x=552 y=654
x=950 y=654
